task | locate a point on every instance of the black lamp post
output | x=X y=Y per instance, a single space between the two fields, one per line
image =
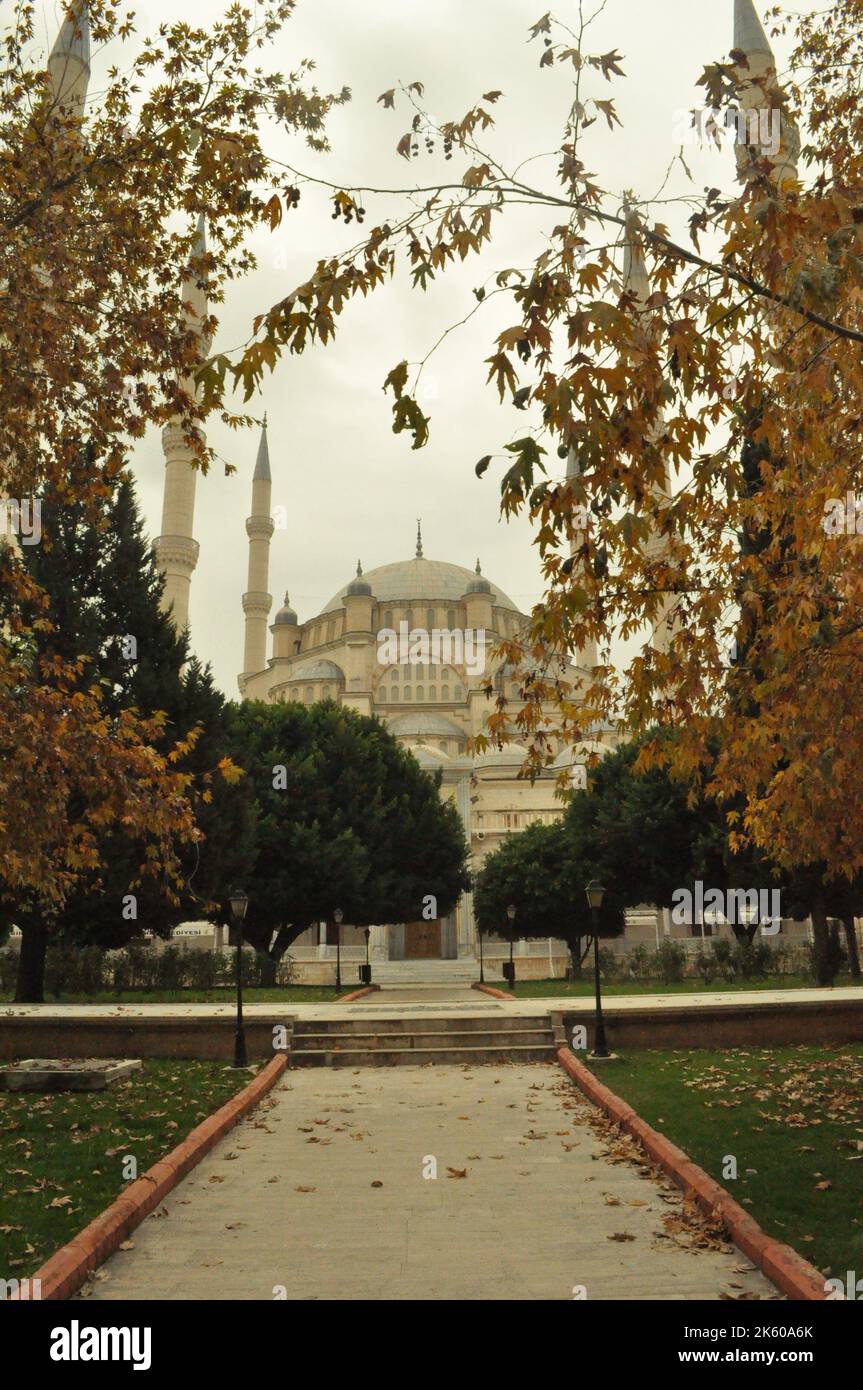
x=595 y=895
x=510 y=912
x=481 y=971
x=367 y=969
x=239 y=904
x=338 y=918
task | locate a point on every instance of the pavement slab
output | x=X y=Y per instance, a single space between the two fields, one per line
x=424 y=1183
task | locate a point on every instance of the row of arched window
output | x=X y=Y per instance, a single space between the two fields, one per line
x=432 y=618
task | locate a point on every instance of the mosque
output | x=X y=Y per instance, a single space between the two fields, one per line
x=412 y=642
x=432 y=697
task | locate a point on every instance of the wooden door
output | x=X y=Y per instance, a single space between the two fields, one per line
x=422 y=940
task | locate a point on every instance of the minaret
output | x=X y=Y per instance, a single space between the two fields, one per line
x=769 y=134
x=69 y=64
x=176 y=548
x=636 y=284
x=587 y=655
x=257 y=602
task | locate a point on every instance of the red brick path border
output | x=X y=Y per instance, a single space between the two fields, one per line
x=792 y=1275
x=65 y=1272
x=357 y=994
x=495 y=993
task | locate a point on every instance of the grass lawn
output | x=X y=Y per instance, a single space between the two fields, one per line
x=286 y=994
x=793 y=1119
x=61 y=1156
x=583 y=989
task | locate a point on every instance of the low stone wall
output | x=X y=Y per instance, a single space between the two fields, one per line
x=197 y=1039
x=728 y=1025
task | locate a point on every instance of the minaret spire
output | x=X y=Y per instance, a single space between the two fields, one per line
x=257 y=601
x=419 y=554
x=69 y=61
x=262 y=463
x=176 y=548
x=749 y=35
x=764 y=131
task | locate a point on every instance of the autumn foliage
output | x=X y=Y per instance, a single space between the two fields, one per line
x=707 y=423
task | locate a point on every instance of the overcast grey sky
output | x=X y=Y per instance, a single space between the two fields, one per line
x=351 y=488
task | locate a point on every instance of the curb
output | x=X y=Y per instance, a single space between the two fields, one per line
x=65 y=1272
x=791 y=1274
x=357 y=994
x=489 y=989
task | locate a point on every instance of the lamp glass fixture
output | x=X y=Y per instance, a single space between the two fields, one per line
x=595 y=893
x=239 y=903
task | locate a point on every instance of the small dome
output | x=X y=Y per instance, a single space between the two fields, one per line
x=480 y=584
x=428 y=758
x=511 y=755
x=317 y=671
x=359 y=587
x=286 y=614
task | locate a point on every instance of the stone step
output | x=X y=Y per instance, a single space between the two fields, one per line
x=418 y=1057
x=368 y=1024
x=365 y=1041
x=404 y=972
x=422 y=1039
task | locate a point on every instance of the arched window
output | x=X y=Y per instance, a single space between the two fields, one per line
x=308 y=694
x=325 y=693
x=330 y=631
x=429 y=618
x=388 y=619
x=444 y=694
x=407 y=692
x=409 y=617
x=443 y=746
x=419 y=670
x=432 y=692
x=420 y=692
x=450 y=618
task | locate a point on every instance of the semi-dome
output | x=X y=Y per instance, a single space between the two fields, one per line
x=421 y=725
x=421 y=580
x=320 y=670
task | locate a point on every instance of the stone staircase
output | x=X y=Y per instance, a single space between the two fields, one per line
x=425 y=972
x=391 y=1042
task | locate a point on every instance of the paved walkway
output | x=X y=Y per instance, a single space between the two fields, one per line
x=320 y=1193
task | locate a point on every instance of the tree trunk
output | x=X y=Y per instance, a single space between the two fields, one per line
x=825 y=971
x=285 y=937
x=853 y=951
x=30 y=988
x=575 y=957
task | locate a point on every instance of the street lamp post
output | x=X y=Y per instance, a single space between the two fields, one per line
x=595 y=895
x=338 y=918
x=367 y=970
x=510 y=912
x=481 y=970
x=239 y=904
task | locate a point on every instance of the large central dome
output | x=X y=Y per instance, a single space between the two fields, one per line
x=420 y=580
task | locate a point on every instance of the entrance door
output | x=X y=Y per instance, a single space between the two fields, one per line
x=422 y=940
